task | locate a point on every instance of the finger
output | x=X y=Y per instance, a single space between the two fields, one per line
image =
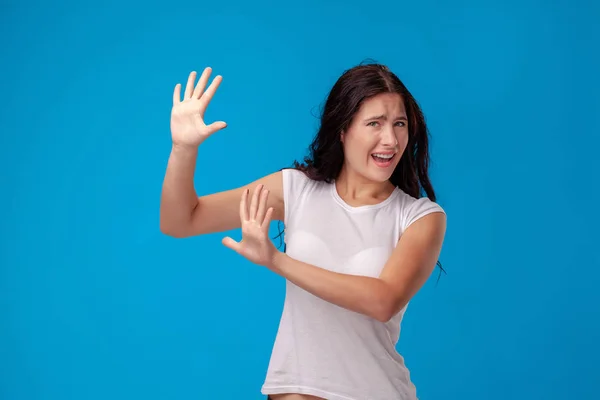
x=254 y=202
x=210 y=92
x=202 y=82
x=244 y=205
x=232 y=244
x=177 y=94
x=267 y=221
x=262 y=206
x=216 y=126
x=190 y=85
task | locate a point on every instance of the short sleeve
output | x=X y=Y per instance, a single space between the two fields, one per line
x=294 y=184
x=418 y=209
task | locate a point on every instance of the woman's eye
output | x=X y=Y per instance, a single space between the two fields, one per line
x=400 y=123
x=372 y=123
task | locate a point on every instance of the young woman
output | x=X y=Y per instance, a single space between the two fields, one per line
x=360 y=238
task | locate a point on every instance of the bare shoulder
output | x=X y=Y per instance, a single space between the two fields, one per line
x=218 y=212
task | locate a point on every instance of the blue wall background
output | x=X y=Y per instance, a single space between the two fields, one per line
x=96 y=303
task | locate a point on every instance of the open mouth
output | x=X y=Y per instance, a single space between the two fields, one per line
x=383 y=160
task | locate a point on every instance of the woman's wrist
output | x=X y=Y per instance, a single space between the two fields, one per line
x=277 y=263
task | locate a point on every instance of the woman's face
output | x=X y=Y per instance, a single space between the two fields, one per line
x=377 y=137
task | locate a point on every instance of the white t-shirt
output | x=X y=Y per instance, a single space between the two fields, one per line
x=322 y=349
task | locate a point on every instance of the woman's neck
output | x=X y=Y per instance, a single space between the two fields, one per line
x=355 y=188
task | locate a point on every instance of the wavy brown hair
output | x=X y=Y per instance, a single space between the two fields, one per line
x=326 y=156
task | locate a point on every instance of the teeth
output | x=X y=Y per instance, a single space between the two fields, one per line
x=387 y=156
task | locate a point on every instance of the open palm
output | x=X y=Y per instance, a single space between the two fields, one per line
x=188 y=127
x=255 y=245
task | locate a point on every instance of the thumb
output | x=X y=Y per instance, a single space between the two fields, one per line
x=232 y=244
x=216 y=126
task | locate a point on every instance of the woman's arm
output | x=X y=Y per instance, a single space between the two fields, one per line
x=407 y=269
x=182 y=212
x=381 y=298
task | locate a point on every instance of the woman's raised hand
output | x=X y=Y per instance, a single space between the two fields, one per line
x=188 y=128
x=255 y=219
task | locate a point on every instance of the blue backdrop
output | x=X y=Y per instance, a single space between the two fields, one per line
x=96 y=303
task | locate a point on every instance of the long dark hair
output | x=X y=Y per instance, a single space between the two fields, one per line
x=326 y=157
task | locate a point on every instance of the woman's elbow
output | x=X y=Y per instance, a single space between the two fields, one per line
x=386 y=307
x=172 y=230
